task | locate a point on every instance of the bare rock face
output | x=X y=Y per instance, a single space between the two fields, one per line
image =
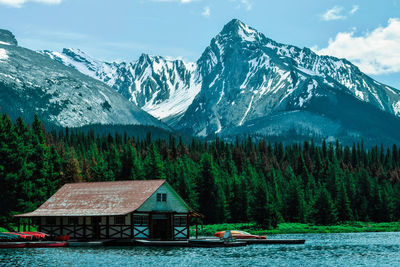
x=33 y=83
x=7 y=37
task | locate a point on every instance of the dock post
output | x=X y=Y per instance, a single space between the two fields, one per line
x=29 y=224
x=18 y=224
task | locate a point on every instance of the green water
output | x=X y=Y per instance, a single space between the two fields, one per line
x=355 y=249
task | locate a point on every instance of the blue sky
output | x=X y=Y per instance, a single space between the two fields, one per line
x=365 y=31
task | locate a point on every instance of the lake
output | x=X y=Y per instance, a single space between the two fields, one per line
x=368 y=249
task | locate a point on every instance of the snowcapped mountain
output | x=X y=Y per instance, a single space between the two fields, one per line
x=162 y=87
x=32 y=83
x=252 y=84
x=246 y=83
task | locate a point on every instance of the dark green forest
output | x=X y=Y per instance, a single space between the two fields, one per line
x=243 y=181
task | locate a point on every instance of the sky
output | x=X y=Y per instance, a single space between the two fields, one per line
x=366 y=32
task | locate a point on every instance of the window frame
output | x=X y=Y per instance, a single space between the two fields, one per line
x=72 y=220
x=161 y=197
x=140 y=220
x=120 y=220
x=51 y=220
x=180 y=221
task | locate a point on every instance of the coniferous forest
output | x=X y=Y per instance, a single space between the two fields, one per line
x=245 y=181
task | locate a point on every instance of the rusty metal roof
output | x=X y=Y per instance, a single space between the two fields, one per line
x=97 y=199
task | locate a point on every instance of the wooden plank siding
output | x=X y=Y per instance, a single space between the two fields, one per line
x=83 y=227
x=164 y=205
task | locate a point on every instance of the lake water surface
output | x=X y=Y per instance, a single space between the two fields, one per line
x=356 y=249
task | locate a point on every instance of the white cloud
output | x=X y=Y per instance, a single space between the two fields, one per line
x=335 y=13
x=20 y=3
x=206 y=12
x=247 y=4
x=354 y=9
x=376 y=52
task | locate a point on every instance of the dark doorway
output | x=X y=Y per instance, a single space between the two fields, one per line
x=96 y=227
x=161 y=227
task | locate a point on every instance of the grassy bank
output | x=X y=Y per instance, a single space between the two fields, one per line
x=295 y=228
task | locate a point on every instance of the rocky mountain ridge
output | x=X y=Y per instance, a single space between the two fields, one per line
x=32 y=83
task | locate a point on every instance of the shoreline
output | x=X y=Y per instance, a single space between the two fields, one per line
x=300 y=228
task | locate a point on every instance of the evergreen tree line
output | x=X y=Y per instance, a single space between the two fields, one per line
x=226 y=182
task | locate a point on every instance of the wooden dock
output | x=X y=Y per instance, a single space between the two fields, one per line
x=205 y=242
x=209 y=243
x=274 y=241
x=214 y=242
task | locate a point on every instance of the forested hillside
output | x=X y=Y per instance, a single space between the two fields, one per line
x=244 y=181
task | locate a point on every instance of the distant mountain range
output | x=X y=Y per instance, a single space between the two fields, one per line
x=243 y=83
x=164 y=88
x=32 y=83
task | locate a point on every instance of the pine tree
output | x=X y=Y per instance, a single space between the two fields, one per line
x=211 y=197
x=343 y=204
x=154 y=166
x=262 y=209
x=295 y=203
x=324 y=211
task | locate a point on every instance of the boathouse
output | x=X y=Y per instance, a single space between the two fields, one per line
x=148 y=209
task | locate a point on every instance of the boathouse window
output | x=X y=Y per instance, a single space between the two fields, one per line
x=161 y=197
x=72 y=220
x=180 y=221
x=120 y=220
x=140 y=220
x=51 y=220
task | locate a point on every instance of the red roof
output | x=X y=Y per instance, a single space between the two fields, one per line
x=97 y=199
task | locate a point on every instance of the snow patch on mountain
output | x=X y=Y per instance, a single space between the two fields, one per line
x=3 y=54
x=247 y=111
x=241 y=77
x=396 y=108
x=162 y=87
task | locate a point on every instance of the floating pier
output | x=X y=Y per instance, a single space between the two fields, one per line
x=206 y=242
x=275 y=241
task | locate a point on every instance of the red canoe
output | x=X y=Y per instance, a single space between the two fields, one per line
x=239 y=235
x=21 y=235
x=37 y=235
x=62 y=238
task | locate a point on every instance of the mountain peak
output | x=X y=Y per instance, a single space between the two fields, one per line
x=6 y=37
x=236 y=28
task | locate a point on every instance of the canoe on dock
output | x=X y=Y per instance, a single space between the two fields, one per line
x=4 y=237
x=20 y=235
x=37 y=235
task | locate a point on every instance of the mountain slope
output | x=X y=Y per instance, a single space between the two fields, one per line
x=32 y=83
x=246 y=83
x=164 y=88
x=252 y=84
